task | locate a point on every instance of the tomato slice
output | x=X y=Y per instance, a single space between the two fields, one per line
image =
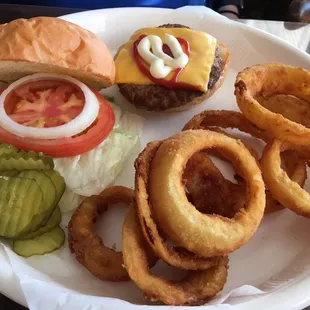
x=63 y=147
x=44 y=103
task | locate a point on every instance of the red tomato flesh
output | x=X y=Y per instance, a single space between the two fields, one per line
x=49 y=103
x=45 y=103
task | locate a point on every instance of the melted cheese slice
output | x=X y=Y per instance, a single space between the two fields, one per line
x=197 y=71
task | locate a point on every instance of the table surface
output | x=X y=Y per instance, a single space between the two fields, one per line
x=295 y=33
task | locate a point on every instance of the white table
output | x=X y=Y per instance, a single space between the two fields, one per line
x=296 y=34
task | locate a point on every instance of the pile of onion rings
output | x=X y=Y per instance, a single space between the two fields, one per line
x=181 y=195
x=199 y=233
x=203 y=255
x=195 y=289
x=217 y=121
x=174 y=256
x=166 y=207
x=275 y=98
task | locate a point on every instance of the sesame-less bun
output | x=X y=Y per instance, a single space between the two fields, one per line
x=52 y=45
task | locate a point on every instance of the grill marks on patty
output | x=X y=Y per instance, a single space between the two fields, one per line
x=158 y=98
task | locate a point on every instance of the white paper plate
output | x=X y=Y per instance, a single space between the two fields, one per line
x=272 y=271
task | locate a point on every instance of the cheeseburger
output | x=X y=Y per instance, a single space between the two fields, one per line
x=170 y=68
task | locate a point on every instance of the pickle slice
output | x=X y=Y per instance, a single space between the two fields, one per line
x=10 y=173
x=38 y=220
x=40 y=245
x=52 y=222
x=49 y=199
x=46 y=184
x=58 y=182
x=7 y=149
x=25 y=161
x=47 y=160
x=20 y=200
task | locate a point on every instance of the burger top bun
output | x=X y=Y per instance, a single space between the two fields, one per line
x=52 y=45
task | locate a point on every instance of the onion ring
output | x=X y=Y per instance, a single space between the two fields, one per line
x=87 y=247
x=205 y=235
x=174 y=256
x=226 y=119
x=267 y=80
x=296 y=170
x=288 y=192
x=213 y=119
x=272 y=205
x=72 y=128
x=195 y=289
x=209 y=191
x=295 y=167
x=291 y=107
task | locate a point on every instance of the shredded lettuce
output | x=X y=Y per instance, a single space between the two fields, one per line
x=88 y=174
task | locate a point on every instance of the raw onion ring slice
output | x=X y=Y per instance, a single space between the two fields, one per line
x=72 y=128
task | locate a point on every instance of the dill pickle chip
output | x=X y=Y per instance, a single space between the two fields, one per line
x=20 y=200
x=25 y=161
x=58 y=182
x=40 y=245
x=52 y=222
x=7 y=149
x=49 y=199
x=10 y=173
x=46 y=184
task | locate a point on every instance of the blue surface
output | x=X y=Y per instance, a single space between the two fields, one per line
x=99 y=4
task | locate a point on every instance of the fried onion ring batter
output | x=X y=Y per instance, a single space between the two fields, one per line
x=269 y=80
x=226 y=119
x=195 y=289
x=212 y=120
x=204 y=234
x=288 y=192
x=174 y=256
x=87 y=247
x=208 y=190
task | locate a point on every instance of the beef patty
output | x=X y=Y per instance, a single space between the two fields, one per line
x=158 y=98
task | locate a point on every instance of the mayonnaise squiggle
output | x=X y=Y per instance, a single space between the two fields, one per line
x=160 y=63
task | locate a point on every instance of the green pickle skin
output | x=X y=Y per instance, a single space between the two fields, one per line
x=40 y=245
x=29 y=194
